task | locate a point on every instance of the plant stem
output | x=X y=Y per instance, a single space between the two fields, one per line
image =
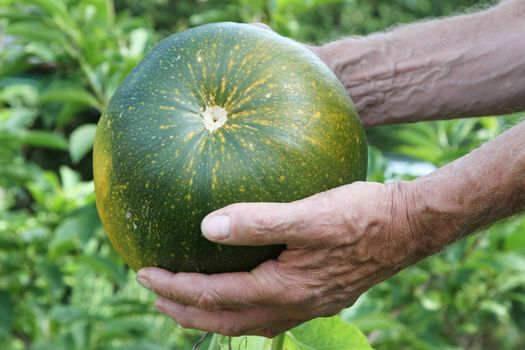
x=200 y=341
x=278 y=342
x=215 y=343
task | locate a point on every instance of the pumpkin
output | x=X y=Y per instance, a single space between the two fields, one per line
x=218 y=114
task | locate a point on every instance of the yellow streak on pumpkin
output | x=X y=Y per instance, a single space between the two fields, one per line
x=312 y=141
x=190 y=164
x=190 y=135
x=163 y=127
x=245 y=60
x=242 y=101
x=230 y=97
x=204 y=72
x=256 y=84
x=230 y=64
x=102 y=170
x=163 y=107
x=213 y=180
x=262 y=122
x=223 y=86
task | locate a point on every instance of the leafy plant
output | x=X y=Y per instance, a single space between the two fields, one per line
x=62 y=285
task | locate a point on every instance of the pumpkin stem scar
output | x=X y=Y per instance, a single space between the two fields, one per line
x=214 y=117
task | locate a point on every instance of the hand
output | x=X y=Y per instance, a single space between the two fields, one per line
x=339 y=244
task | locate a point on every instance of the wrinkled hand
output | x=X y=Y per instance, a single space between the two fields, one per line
x=339 y=244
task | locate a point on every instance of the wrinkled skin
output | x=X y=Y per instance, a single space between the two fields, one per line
x=334 y=253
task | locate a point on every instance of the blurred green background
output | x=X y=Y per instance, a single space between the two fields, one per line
x=61 y=284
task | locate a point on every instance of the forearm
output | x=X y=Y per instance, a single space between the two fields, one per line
x=476 y=190
x=469 y=65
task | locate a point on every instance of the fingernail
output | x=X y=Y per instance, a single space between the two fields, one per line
x=216 y=227
x=143 y=280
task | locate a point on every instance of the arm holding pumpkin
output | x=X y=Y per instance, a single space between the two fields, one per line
x=343 y=241
x=463 y=66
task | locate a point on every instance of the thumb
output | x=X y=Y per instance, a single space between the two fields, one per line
x=298 y=223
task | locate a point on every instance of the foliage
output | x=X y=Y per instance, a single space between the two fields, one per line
x=61 y=284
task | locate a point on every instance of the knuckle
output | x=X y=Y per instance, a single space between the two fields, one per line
x=184 y=322
x=208 y=301
x=327 y=220
x=297 y=298
x=328 y=312
x=269 y=333
x=302 y=303
x=262 y=223
x=231 y=329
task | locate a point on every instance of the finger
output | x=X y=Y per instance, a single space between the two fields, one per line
x=213 y=292
x=225 y=322
x=297 y=224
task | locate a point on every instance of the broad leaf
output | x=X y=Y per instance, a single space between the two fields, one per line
x=81 y=141
x=43 y=139
x=326 y=334
x=330 y=333
x=6 y=314
x=70 y=94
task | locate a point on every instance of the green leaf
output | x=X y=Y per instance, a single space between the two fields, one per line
x=330 y=333
x=74 y=231
x=68 y=111
x=138 y=39
x=81 y=141
x=67 y=314
x=6 y=314
x=251 y=342
x=43 y=139
x=52 y=7
x=141 y=345
x=105 y=267
x=68 y=177
x=35 y=31
x=120 y=328
x=70 y=93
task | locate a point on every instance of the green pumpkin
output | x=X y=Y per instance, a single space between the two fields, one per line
x=219 y=114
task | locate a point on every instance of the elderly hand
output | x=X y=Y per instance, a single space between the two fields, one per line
x=339 y=243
